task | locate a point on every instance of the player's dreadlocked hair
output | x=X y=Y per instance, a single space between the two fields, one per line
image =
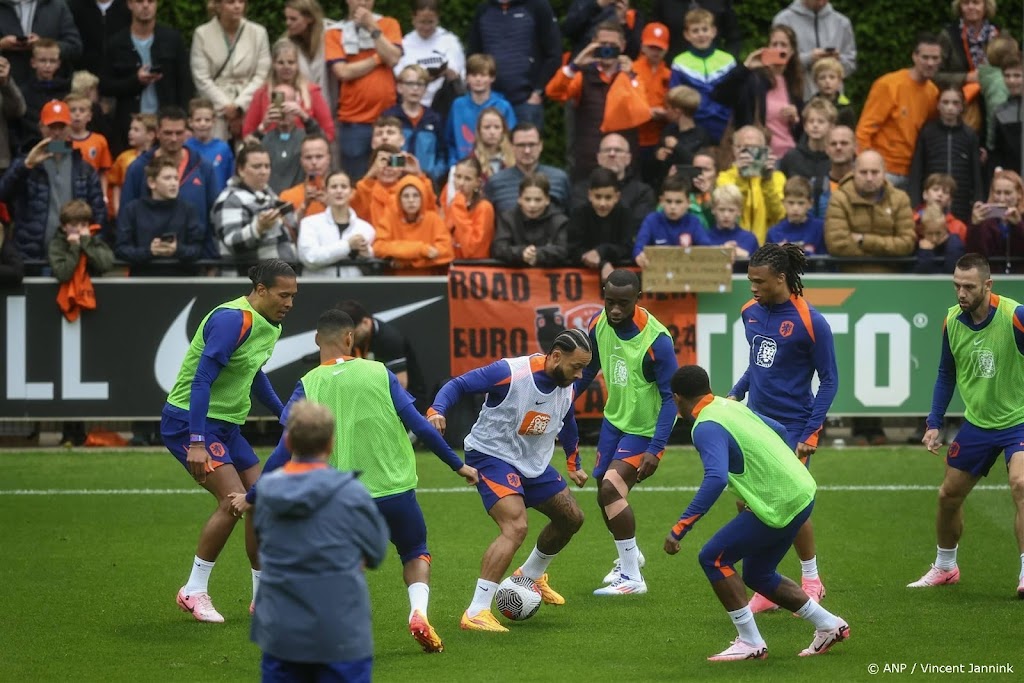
x=570 y=340
x=266 y=272
x=787 y=259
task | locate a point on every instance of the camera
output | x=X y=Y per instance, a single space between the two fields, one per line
x=397 y=161
x=758 y=157
x=607 y=52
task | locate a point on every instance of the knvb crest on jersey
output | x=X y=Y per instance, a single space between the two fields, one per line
x=620 y=371
x=984 y=363
x=765 y=349
x=534 y=424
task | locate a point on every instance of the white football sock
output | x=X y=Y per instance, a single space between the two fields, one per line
x=809 y=568
x=629 y=558
x=419 y=595
x=255 y=582
x=1022 y=566
x=743 y=620
x=822 y=619
x=946 y=558
x=199 y=579
x=536 y=564
x=482 y=597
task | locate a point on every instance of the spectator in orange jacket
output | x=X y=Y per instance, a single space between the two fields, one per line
x=411 y=233
x=608 y=95
x=376 y=192
x=654 y=75
x=468 y=216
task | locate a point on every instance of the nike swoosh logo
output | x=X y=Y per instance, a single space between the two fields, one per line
x=623 y=450
x=339 y=371
x=175 y=342
x=978 y=341
x=539 y=403
x=486 y=590
x=821 y=647
x=751 y=320
x=618 y=348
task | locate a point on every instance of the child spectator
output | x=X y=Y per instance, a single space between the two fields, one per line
x=1008 y=120
x=799 y=227
x=387 y=130
x=336 y=234
x=703 y=67
x=377 y=191
x=727 y=204
x=92 y=146
x=412 y=234
x=468 y=216
x=201 y=118
x=88 y=84
x=1001 y=50
x=936 y=243
x=608 y=96
x=278 y=135
x=492 y=147
x=808 y=159
x=601 y=232
x=462 y=118
x=939 y=189
x=534 y=233
x=947 y=145
x=704 y=175
x=43 y=86
x=681 y=138
x=160 y=226
x=673 y=225
x=997 y=230
x=654 y=75
x=76 y=241
x=828 y=74
x=141 y=134
x=753 y=171
x=421 y=126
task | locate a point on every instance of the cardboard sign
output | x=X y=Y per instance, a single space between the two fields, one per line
x=688 y=269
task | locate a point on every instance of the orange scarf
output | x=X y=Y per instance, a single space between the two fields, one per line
x=77 y=294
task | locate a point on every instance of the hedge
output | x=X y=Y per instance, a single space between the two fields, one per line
x=885 y=31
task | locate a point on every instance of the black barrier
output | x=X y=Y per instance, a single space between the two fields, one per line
x=119 y=361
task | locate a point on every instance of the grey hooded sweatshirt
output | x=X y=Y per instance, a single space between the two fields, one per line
x=316 y=527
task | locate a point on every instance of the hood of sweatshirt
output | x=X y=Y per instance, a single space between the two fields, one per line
x=297 y=491
x=798 y=7
x=410 y=181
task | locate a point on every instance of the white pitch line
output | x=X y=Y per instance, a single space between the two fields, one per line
x=870 y=488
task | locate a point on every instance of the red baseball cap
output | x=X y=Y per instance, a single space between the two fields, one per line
x=55 y=111
x=656 y=35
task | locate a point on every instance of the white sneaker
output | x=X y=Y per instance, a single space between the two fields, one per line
x=824 y=640
x=613 y=575
x=740 y=650
x=624 y=586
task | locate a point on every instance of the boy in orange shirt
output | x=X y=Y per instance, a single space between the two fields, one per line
x=654 y=75
x=93 y=147
x=141 y=134
x=411 y=234
x=375 y=192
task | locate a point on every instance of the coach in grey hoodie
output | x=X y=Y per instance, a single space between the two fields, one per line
x=818 y=27
x=318 y=528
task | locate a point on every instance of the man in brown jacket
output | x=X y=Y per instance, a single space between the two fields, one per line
x=868 y=217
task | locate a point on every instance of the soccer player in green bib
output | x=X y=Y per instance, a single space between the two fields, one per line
x=983 y=357
x=209 y=402
x=636 y=354
x=748 y=454
x=373 y=413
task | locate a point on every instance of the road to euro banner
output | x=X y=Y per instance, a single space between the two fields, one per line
x=505 y=312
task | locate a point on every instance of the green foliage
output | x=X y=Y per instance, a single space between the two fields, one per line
x=885 y=31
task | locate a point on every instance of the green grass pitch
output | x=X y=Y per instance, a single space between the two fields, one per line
x=89 y=581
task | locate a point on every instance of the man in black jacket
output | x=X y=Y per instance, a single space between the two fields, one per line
x=141 y=79
x=97 y=22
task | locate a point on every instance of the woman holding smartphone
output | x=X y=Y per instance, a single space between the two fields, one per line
x=767 y=90
x=250 y=221
x=310 y=101
x=997 y=227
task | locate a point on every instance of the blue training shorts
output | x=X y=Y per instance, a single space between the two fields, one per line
x=760 y=546
x=615 y=444
x=224 y=443
x=974 y=450
x=405 y=521
x=276 y=670
x=499 y=479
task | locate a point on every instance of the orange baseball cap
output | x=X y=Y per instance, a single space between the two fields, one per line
x=55 y=111
x=656 y=35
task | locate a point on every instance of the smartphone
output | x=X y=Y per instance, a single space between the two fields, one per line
x=57 y=147
x=772 y=56
x=168 y=237
x=156 y=69
x=397 y=161
x=995 y=211
x=758 y=155
x=316 y=181
x=284 y=207
x=22 y=39
x=830 y=50
x=607 y=52
x=277 y=98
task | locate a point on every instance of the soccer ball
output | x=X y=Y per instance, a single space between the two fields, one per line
x=518 y=598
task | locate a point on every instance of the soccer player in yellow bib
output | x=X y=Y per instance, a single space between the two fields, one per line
x=748 y=454
x=983 y=357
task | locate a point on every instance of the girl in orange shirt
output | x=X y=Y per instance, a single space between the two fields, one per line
x=468 y=216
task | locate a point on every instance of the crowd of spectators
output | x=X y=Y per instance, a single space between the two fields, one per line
x=344 y=145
